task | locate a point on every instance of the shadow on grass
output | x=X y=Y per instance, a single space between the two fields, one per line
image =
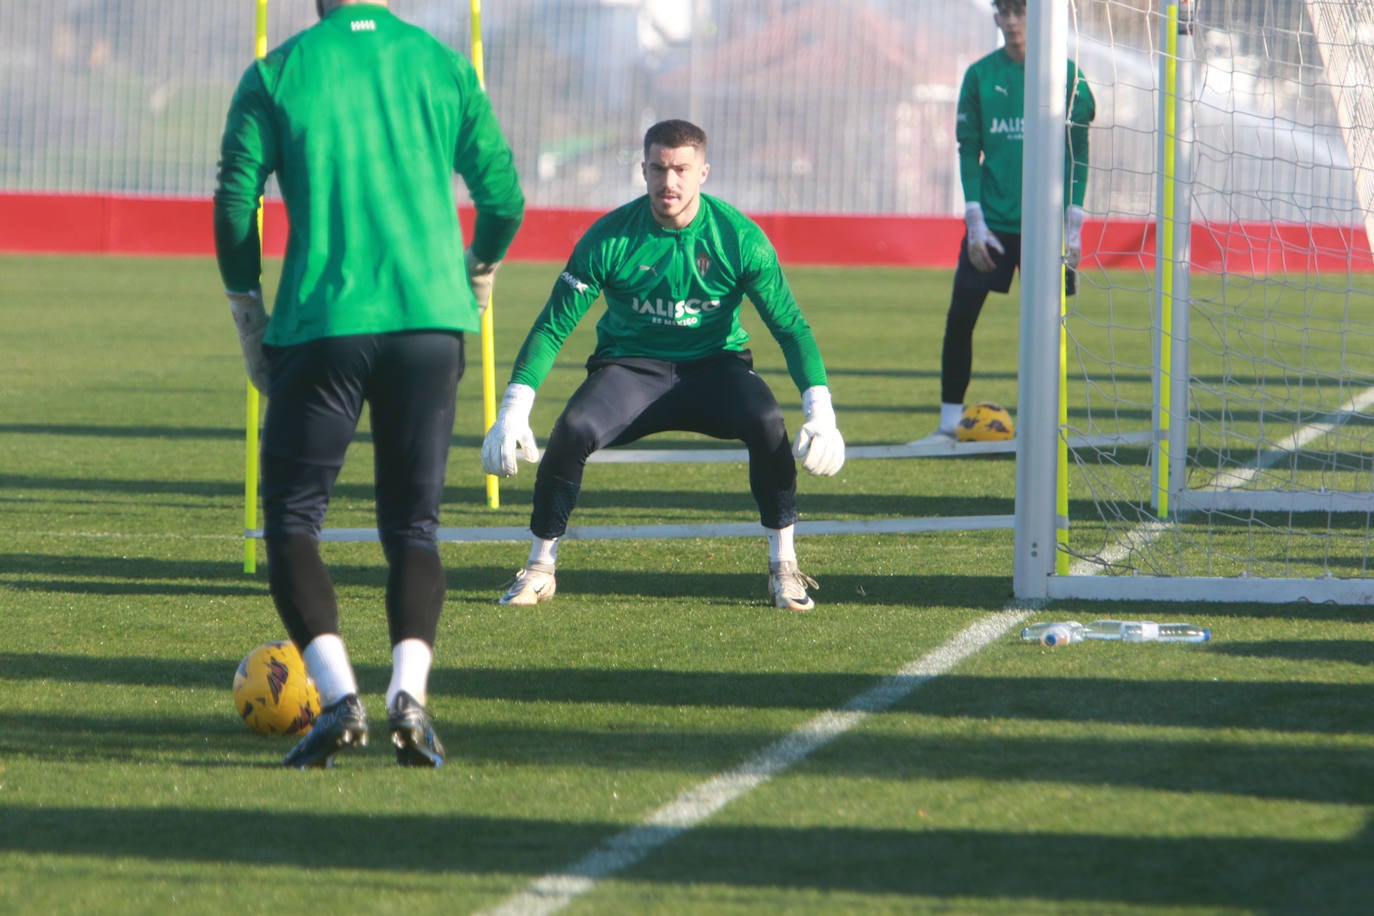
x=101 y=431
x=722 y=500
x=812 y=505
x=1074 y=609
x=102 y=488
x=1294 y=771
x=115 y=575
x=1300 y=708
x=176 y=433
x=78 y=574
x=1260 y=874
x=1355 y=651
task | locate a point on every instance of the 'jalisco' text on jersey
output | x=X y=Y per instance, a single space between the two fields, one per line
x=672 y=294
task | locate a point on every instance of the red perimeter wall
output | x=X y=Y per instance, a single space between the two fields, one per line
x=109 y=224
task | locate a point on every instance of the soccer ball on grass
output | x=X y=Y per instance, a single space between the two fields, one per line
x=273 y=693
x=985 y=422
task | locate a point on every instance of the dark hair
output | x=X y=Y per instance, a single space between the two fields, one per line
x=1003 y=6
x=673 y=134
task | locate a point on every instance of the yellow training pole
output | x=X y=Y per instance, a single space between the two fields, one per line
x=250 y=428
x=1061 y=527
x=488 y=324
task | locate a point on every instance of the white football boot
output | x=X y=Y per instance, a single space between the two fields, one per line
x=531 y=585
x=787 y=586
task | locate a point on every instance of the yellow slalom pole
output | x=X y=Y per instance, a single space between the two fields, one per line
x=488 y=324
x=1061 y=527
x=254 y=407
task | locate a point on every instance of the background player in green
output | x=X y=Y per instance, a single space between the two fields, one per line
x=363 y=119
x=674 y=267
x=989 y=123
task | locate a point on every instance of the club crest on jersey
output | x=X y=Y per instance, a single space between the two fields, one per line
x=703 y=263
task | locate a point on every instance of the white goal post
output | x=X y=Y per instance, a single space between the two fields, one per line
x=1241 y=337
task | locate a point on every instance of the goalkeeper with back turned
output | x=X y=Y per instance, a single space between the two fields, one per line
x=674 y=267
x=364 y=119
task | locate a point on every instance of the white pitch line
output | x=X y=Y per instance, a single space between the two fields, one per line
x=556 y=890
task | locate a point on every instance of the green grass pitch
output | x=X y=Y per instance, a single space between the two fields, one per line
x=1231 y=777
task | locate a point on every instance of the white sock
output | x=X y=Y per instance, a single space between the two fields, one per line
x=781 y=544
x=544 y=550
x=410 y=663
x=950 y=415
x=326 y=660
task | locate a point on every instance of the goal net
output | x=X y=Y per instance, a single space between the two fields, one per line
x=1223 y=332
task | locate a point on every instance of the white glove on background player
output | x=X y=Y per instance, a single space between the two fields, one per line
x=481 y=275
x=1073 y=236
x=980 y=238
x=819 y=446
x=510 y=437
x=251 y=320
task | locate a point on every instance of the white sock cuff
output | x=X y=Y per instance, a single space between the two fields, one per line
x=781 y=544
x=544 y=550
x=411 y=660
x=950 y=415
x=326 y=660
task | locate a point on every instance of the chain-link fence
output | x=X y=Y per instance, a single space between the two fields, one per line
x=828 y=106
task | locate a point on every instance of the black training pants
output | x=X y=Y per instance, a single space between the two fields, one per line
x=626 y=399
x=971 y=288
x=317 y=394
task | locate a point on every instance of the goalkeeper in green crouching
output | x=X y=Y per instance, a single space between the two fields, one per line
x=674 y=267
x=989 y=131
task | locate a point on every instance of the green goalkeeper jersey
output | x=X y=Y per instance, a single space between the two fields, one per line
x=364 y=119
x=990 y=132
x=672 y=294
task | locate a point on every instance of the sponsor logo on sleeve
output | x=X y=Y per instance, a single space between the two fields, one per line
x=572 y=281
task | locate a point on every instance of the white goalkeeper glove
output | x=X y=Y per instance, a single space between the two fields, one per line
x=980 y=239
x=481 y=276
x=510 y=437
x=251 y=320
x=1073 y=237
x=819 y=446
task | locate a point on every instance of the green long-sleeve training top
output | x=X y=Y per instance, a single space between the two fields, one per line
x=672 y=294
x=364 y=119
x=991 y=137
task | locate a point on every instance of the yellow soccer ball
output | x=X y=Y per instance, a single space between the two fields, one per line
x=273 y=693
x=985 y=422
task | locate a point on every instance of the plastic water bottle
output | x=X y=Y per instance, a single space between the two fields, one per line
x=1183 y=632
x=1055 y=634
x=1145 y=631
x=1068 y=632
